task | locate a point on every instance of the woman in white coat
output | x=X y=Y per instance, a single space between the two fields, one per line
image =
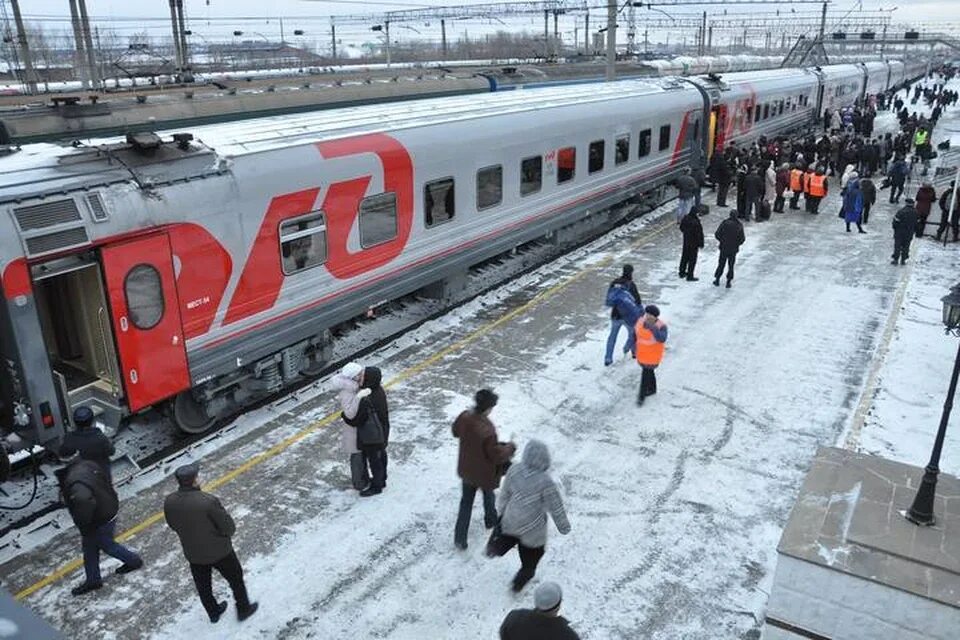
x=348 y=381
x=770 y=184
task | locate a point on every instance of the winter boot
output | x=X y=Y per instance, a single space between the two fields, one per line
x=716 y=282
x=127 y=568
x=221 y=607
x=85 y=587
x=243 y=614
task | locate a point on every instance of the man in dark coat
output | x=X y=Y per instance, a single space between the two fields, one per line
x=869 y=191
x=730 y=235
x=374 y=455
x=926 y=196
x=625 y=281
x=904 y=227
x=753 y=191
x=542 y=623
x=93 y=505
x=692 y=232
x=481 y=462
x=87 y=440
x=948 y=219
x=720 y=173
x=372 y=379
x=205 y=529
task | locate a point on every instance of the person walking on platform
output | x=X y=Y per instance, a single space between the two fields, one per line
x=904 y=228
x=852 y=202
x=651 y=339
x=818 y=190
x=528 y=495
x=88 y=441
x=869 y=191
x=692 y=232
x=93 y=505
x=898 y=177
x=205 y=530
x=730 y=235
x=949 y=219
x=617 y=321
x=687 y=189
x=542 y=623
x=480 y=464
x=796 y=186
x=926 y=196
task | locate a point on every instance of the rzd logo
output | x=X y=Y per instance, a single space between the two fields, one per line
x=262 y=278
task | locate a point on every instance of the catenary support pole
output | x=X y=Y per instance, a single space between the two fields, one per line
x=29 y=75
x=611 y=40
x=443 y=38
x=185 y=75
x=175 y=28
x=333 y=38
x=80 y=58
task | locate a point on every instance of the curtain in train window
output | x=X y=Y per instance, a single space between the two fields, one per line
x=438 y=202
x=303 y=242
x=378 y=219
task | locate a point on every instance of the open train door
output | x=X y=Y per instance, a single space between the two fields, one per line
x=141 y=286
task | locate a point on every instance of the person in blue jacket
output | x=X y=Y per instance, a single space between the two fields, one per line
x=853 y=203
x=617 y=319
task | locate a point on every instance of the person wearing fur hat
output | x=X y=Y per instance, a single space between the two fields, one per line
x=544 y=622
x=651 y=336
x=529 y=494
x=481 y=462
x=205 y=530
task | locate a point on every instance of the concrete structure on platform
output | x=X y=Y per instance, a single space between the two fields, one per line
x=851 y=566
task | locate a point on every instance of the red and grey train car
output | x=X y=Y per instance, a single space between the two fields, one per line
x=201 y=272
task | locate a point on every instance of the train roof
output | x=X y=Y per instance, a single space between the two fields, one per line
x=38 y=169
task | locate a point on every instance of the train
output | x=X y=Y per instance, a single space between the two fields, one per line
x=196 y=272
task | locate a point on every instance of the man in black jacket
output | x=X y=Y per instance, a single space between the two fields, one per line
x=904 y=228
x=753 y=191
x=616 y=322
x=205 y=529
x=93 y=505
x=720 y=173
x=692 y=232
x=87 y=440
x=949 y=219
x=730 y=235
x=542 y=623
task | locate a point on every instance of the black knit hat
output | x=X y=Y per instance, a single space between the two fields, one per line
x=485 y=399
x=653 y=310
x=628 y=271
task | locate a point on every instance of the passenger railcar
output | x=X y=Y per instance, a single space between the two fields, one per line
x=204 y=271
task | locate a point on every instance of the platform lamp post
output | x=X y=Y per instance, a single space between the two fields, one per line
x=921 y=511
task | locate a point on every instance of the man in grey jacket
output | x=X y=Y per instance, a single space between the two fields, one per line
x=205 y=529
x=527 y=496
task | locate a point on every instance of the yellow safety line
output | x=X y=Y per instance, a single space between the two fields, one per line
x=278 y=448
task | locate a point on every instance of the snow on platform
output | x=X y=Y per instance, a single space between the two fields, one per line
x=676 y=507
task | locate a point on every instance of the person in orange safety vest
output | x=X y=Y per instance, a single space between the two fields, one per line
x=817 y=189
x=807 y=199
x=796 y=185
x=651 y=336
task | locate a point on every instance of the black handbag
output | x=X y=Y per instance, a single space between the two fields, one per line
x=370 y=433
x=498 y=544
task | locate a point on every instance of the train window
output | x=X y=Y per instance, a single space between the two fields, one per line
x=766 y=111
x=644 y=147
x=595 y=159
x=566 y=164
x=756 y=114
x=378 y=218
x=144 y=291
x=622 y=149
x=531 y=175
x=438 y=203
x=303 y=242
x=489 y=187
x=664 y=137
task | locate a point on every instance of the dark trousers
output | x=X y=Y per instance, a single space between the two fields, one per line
x=726 y=260
x=688 y=260
x=101 y=539
x=648 y=383
x=753 y=208
x=944 y=225
x=896 y=190
x=778 y=203
x=466 y=507
x=228 y=567
x=795 y=200
x=529 y=559
x=722 y=189
x=376 y=459
x=901 y=247
x=814 y=202
x=865 y=216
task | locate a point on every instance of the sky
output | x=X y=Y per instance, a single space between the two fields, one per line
x=217 y=19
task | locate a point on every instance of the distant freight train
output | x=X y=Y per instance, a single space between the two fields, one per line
x=204 y=272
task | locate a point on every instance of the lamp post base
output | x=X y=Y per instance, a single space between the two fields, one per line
x=921 y=511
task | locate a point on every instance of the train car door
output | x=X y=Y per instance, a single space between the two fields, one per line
x=141 y=286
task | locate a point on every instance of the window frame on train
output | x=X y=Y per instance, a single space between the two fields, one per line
x=151 y=298
x=664 y=142
x=573 y=173
x=591 y=156
x=318 y=214
x=524 y=189
x=498 y=169
x=645 y=144
x=618 y=145
x=429 y=220
x=365 y=209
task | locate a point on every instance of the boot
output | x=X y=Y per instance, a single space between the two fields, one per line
x=221 y=607
x=85 y=587
x=729 y=283
x=716 y=282
x=127 y=568
x=243 y=614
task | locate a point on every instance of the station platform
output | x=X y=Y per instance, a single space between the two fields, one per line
x=676 y=507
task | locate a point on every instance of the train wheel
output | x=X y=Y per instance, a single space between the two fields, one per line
x=189 y=415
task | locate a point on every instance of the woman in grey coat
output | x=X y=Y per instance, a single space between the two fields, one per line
x=528 y=495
